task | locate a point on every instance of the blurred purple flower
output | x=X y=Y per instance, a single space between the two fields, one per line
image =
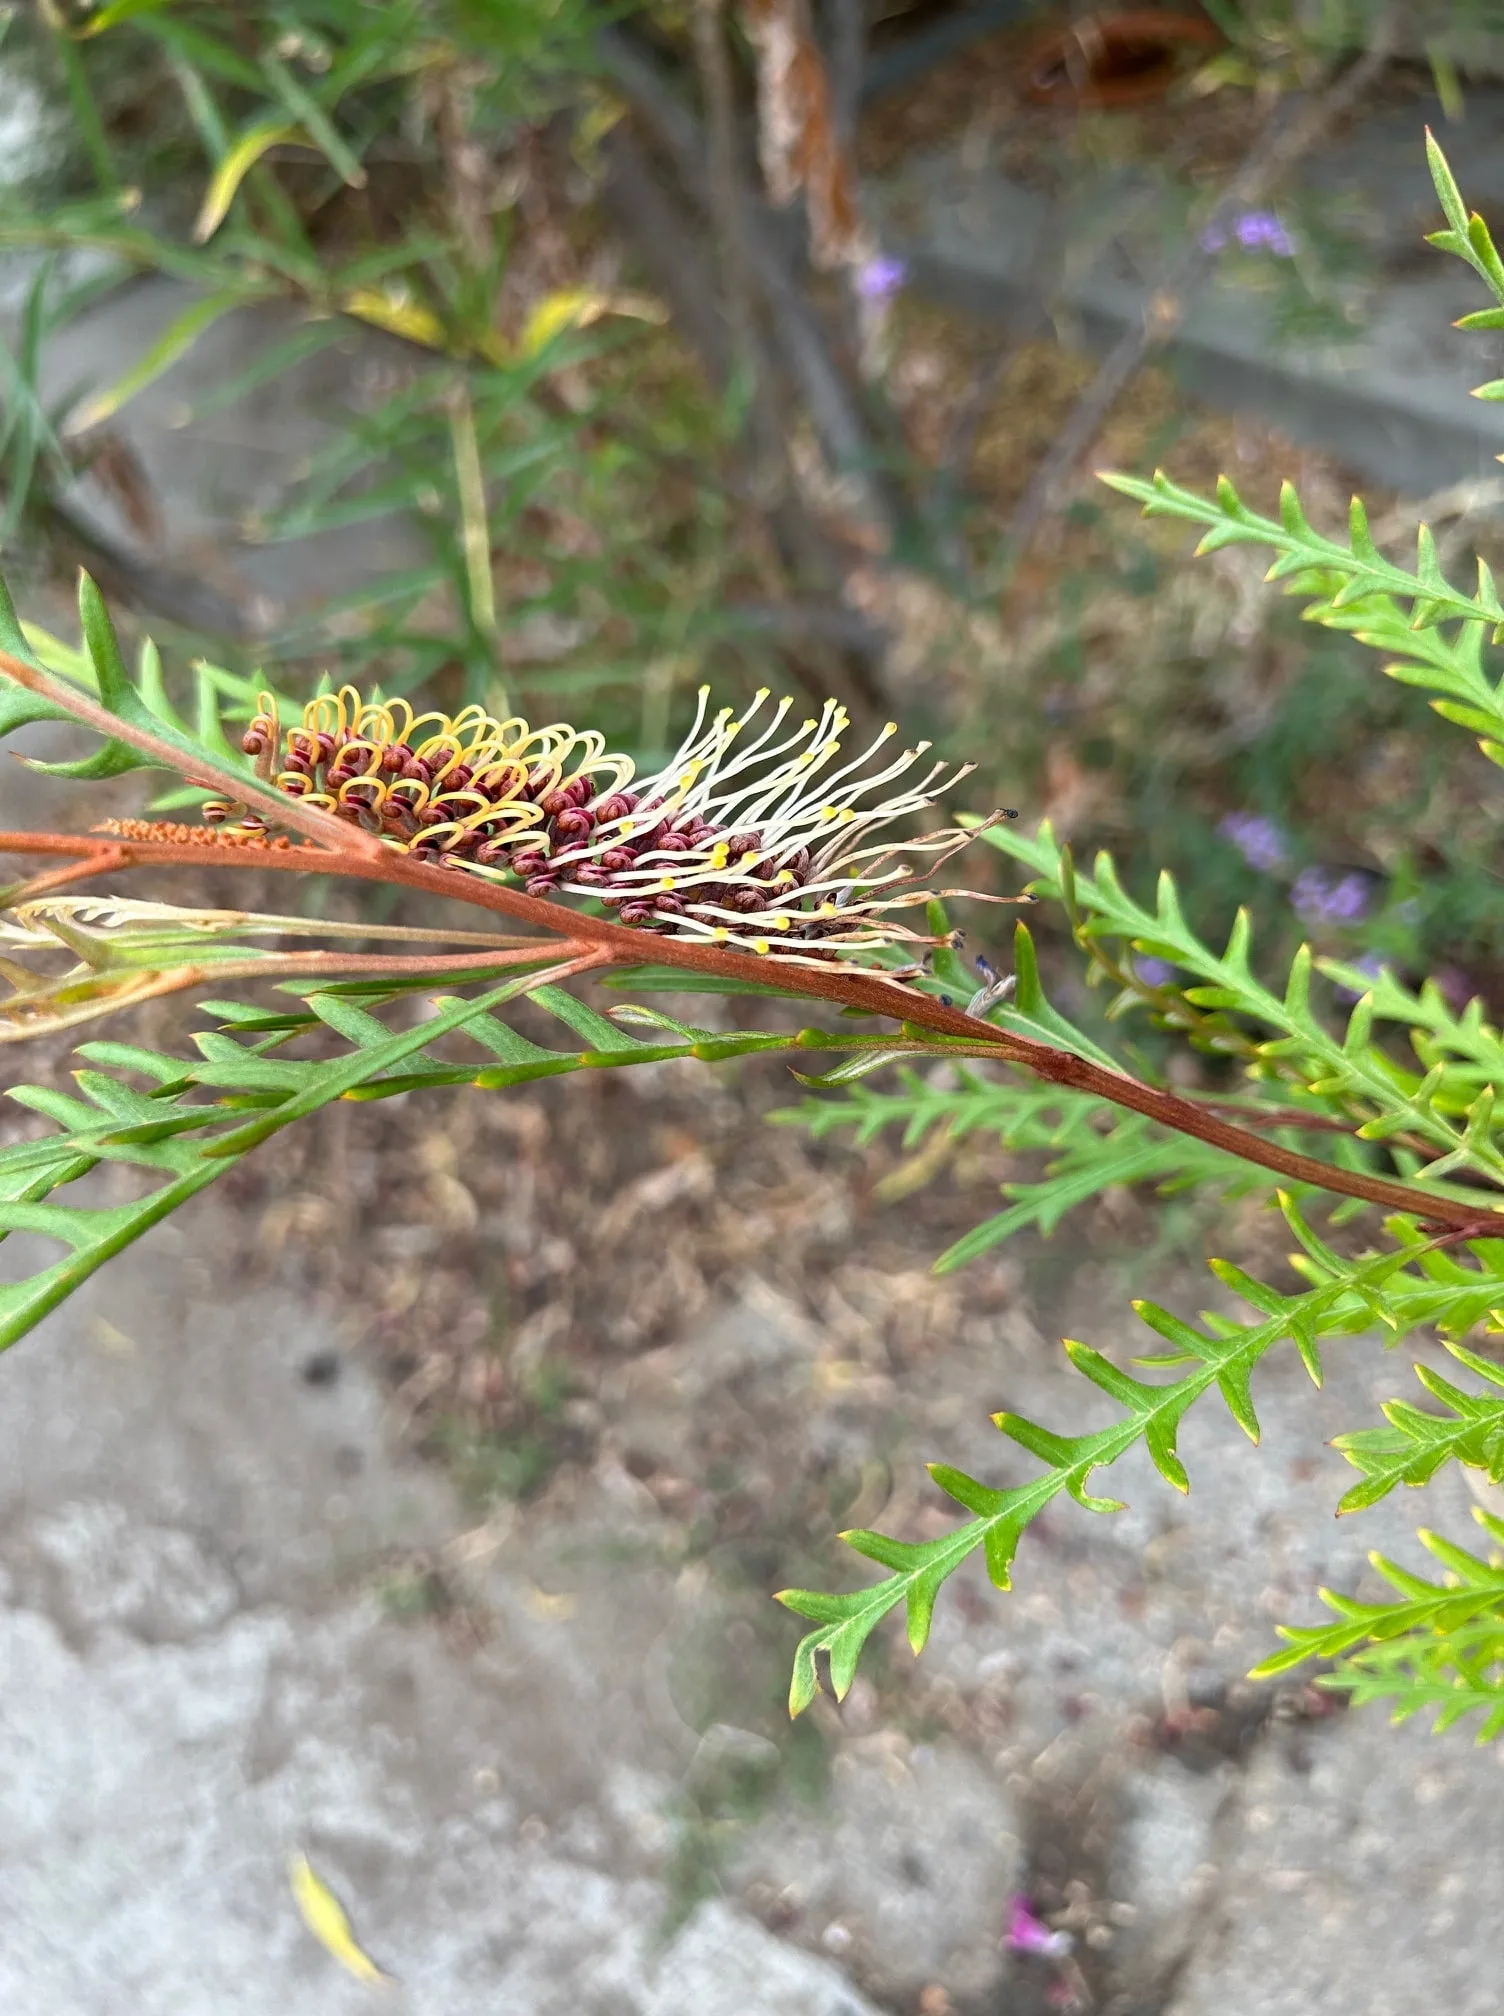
x=1255 y=231
x=880 y=279
x=1259 y=841
x=1319 y=897
x=1153 y=972
x=1372 y=965
x=1028 y=1934
x=1261 y=231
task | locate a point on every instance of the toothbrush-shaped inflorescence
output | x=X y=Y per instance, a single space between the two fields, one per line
x=752 y=836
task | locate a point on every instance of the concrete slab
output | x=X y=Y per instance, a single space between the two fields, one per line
x=197 y=1676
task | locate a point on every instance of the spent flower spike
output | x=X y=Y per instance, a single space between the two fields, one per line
x=752 y=836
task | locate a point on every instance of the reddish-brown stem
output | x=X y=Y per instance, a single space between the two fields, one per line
x=59 y=878
x=1297 y=1116
x=617 y=944
x=236 y=784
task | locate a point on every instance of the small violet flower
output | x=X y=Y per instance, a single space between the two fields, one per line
x=1153 y=972
x=1259 y=841
x=879 y=279
x=1028 y=1934
x=1254 y=231
x=1319 y=897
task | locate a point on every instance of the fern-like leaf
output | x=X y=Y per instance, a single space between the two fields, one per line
x=1221 y=1354
x=1417 y=1443
x=1349 y=1074
x=1440 y=1645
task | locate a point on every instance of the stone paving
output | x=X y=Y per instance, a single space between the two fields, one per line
x=200 y=1672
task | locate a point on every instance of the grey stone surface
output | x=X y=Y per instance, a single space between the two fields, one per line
x=909 y=1864
x=1366 y=1881
x=1163 y=1866
x=196 y=1678
x=197 y=1675
x=721 y=1965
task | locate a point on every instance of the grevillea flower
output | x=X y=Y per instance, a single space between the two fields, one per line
x=754 y=835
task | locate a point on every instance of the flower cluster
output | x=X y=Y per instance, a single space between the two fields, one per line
x=1258 y=840
x=1320 y=897
x=1254 y=231
x=754 y=835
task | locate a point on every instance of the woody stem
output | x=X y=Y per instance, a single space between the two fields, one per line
x=618 y=945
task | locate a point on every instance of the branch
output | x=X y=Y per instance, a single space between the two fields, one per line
x=620 y=945
x=661 y=231
x=847 y=66
x=170 y=754
x=834 y=413
x=722 y=193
